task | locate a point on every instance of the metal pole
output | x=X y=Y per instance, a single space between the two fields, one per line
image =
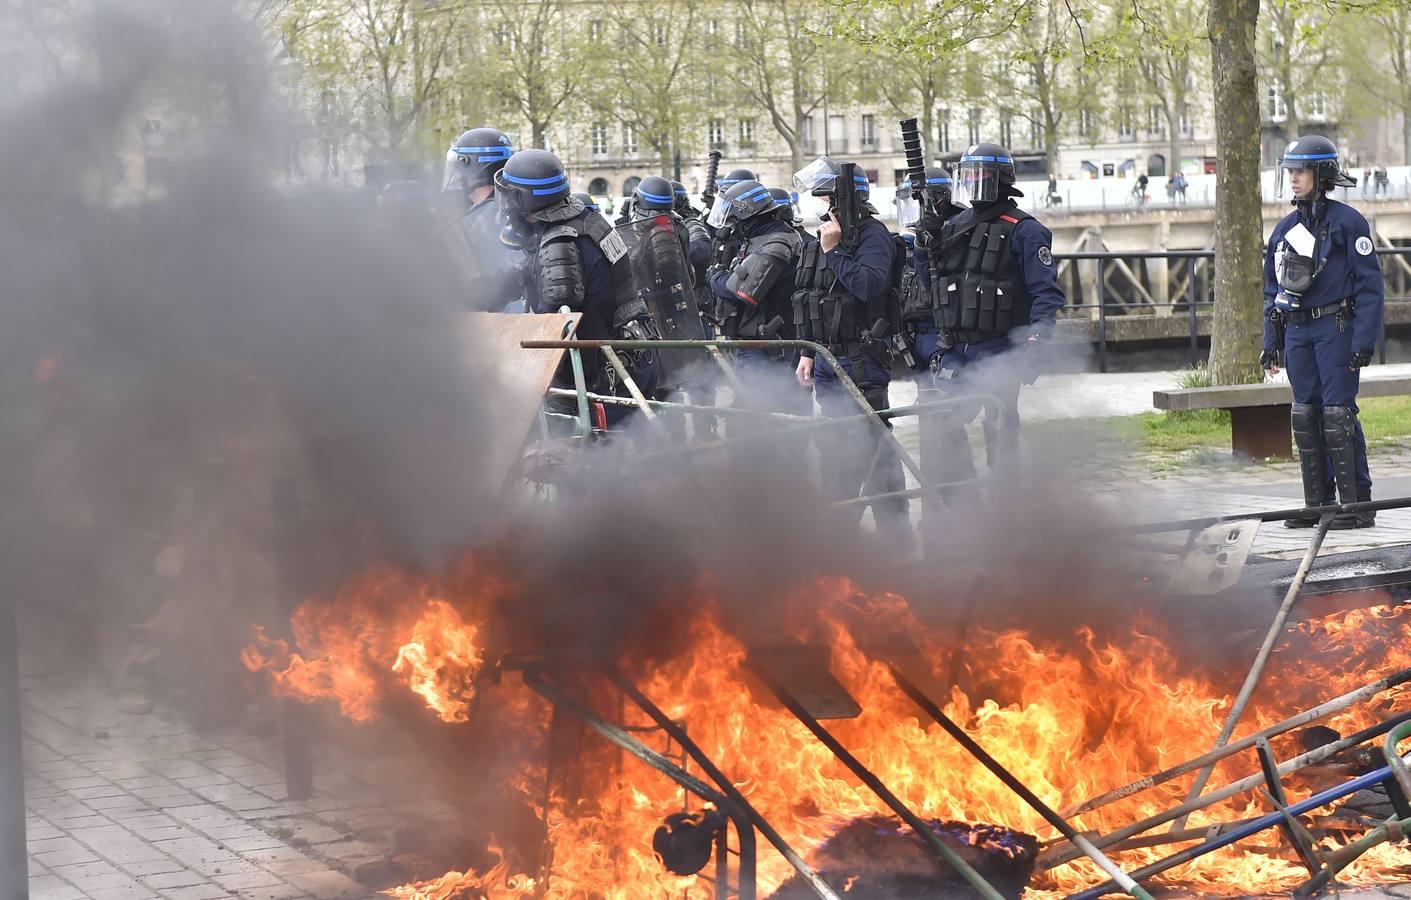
x=1017 y=786
x=616 y=735
x=1101 y=316
x=694 y=751
x=1054 y=857
x=1256 y=671
x=14 y=862
x=296 y=719
x=1190 y=301
x=873 y=783
x=1244 y=831
x=1321 y=711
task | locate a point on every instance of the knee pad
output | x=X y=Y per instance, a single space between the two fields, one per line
x=1307 y=422
x=1339 y=426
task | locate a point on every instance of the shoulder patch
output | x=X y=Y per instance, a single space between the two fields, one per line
x=1364 y=245
x=613 y=247
x=1046 y=256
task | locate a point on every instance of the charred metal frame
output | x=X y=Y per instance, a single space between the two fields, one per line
x=1323 y=869
x=928 y=491
x=726 y=797
x=874 y=784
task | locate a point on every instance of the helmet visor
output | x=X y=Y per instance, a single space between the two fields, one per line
x=908 y=209
x=976 y=182
x=456 y=167
x=719 y=213
x=819 y=175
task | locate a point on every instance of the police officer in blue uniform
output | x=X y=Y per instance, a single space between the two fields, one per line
x=575 y=260
x=842 y=300
x=491 y=269
x=1323 y=296
x=994 y=287
x=755 y=287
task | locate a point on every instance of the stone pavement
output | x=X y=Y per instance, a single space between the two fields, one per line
x=126 y=801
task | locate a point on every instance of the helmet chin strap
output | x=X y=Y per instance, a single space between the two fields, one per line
x=1314 y=205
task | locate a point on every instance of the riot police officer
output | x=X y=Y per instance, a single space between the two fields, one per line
x=1323 y=296
x=843 y=296
x=789 y=214
x=994 y=286
x=923 y=218
x=754 y=288
x=576 y=261
x=734 y=177
x=491 y=269
x=587 y=200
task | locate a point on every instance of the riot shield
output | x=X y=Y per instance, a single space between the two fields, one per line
x=661 y=278
x=492 y=272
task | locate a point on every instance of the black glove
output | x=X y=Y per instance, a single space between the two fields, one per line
x=1360 y=359
x=1271 y=357
x=931 y=220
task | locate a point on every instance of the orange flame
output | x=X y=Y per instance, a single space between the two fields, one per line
x=1070 y=719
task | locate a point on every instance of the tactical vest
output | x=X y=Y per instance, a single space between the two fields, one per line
x=781 y=244
x=978 y=290
x=827 y=312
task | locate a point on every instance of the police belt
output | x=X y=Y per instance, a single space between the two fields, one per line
x=1304 y=316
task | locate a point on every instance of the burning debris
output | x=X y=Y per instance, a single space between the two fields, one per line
x=877 y=858
x=1069 y=719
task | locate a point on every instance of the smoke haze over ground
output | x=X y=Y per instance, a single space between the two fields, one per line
x=167 y=359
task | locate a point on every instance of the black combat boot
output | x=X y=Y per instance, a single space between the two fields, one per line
x=1307 y=421
x=1340 y=434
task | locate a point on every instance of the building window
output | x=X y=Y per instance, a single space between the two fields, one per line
x=630 y=144
x=1317 y=106
x=715 y=134
x=740 y=34
x=1274 y=105
x=869 y=131
x=1125 y=127
x=659 y=33
x=1036 y=130
x=712 y=87
x=1156 y=121
x=1006 y=132
x=837 y=135
x=944 y=135
x=600 y=139
x=974 y=125
x=1186 y=125
x=746 y=133
x=809 y=141
x=1086 y=122
x=503 y=37
x=595 y=30
x=712 y=27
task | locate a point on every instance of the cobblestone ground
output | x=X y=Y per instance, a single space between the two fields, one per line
x=129 y=801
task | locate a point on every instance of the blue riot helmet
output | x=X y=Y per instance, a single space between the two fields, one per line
x=475 y=157
x=820 y=178
x=985 y=174
x=587 y=200
x=735 y=177
x=744 y=200
x=530 y=182
x=938 y=191
x=1312 y=151
x=653 y=195
x=784 y=205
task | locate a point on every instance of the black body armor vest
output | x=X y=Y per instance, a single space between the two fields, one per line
x=978 y=290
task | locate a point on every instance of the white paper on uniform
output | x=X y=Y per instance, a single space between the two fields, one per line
x=1301 y=240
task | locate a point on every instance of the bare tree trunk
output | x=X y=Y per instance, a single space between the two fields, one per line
x=1237 y=330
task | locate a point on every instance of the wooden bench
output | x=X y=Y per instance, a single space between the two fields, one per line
x=1259 y=413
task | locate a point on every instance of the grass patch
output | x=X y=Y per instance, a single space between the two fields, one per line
x=1386 y=421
